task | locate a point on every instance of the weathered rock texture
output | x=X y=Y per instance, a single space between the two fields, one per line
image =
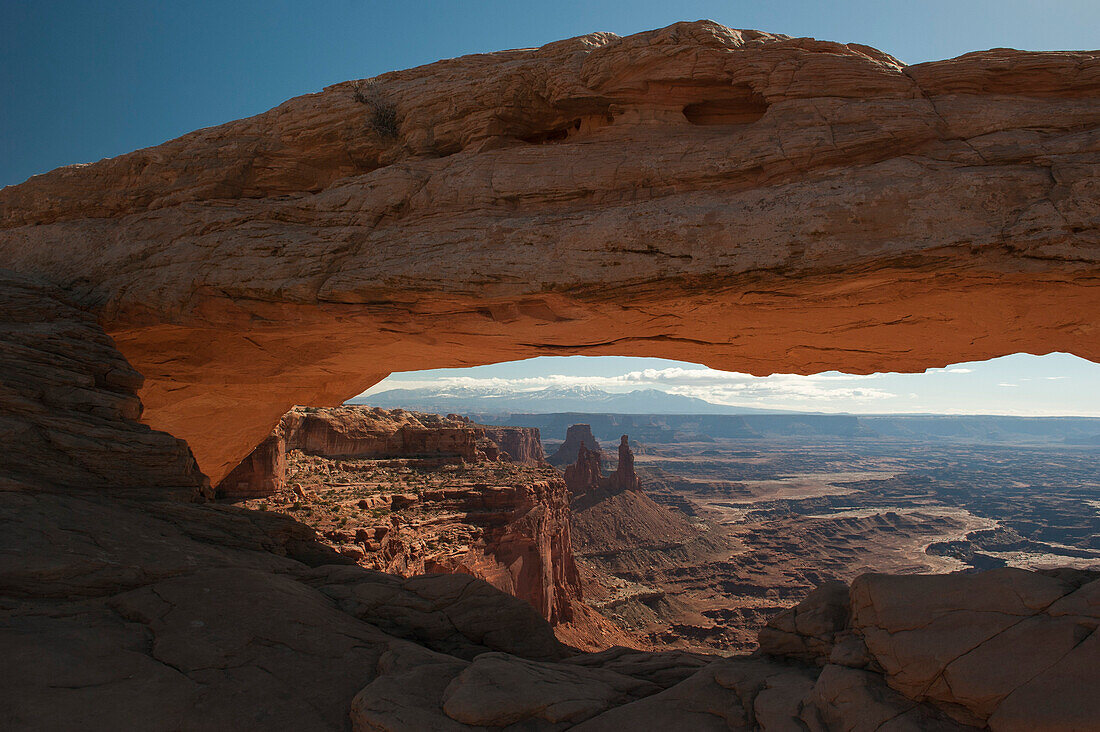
x=365 y=432
x=741 y=199
x=262 y=473
x=120 y=609
x=409 y=493
x=624 y=478
x=585 y=476
x=1007 y=648
x=897 y=653
x=371 y=432
x=517 y=444
x=501 y=523
x=68 y=404
x=576 y=437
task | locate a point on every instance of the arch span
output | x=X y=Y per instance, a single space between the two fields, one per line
x=837 y=209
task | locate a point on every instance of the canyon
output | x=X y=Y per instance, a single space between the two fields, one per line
x=410 y=493
x=742 y=199
x=768 y=507
x=721 y=535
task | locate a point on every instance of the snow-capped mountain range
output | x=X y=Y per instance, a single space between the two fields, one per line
x=460 y=399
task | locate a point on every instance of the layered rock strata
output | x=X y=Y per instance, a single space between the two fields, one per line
x=576 y=437
x=126 y=605
x=742 y=199
x=366 y=432
x=68 y=405
x=585 y=476
x=503 y=523
x=409 y=493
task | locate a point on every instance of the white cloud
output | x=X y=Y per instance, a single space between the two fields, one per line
x=825 y=392
x=712 y=385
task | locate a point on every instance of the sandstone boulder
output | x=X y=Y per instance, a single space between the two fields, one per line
x=982 y=648
x=808 y=630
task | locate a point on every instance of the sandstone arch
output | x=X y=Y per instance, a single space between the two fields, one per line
x=737 y=198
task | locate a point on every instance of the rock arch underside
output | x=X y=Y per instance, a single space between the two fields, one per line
x=736 y=198
x=741 y=199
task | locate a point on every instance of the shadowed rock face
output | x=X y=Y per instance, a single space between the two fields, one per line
x=586 y=474
x=68 y=408
x=736 y=198
x=260 y=474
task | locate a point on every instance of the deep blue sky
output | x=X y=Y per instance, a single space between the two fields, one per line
x=80 y=81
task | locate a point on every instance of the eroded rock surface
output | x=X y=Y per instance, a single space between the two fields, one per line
x=365 y=432
x=409 y=493
x=742 y=199
x=68 y=405
x=733 y=197
x=585 y=476
x=577 y=436
x=988 y=646
x=504 y=523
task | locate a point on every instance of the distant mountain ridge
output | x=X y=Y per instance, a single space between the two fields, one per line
x=659 y=428
x=461 y=399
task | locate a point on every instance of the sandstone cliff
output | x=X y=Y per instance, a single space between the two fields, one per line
x=577 y=436
x=619 y=536
x=371 y=432
x=737 y=198
x=504 y=523
x=409 y=493
x=366 y=432
x=262 y=473
x=586 y=474
x=517 y=444
x=68 y=405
